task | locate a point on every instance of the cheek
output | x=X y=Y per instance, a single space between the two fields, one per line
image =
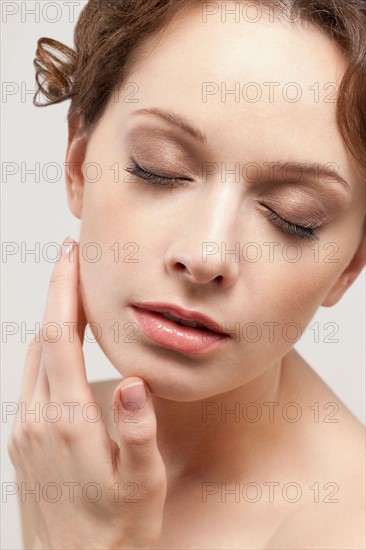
x=107 y=237
x=291 y=292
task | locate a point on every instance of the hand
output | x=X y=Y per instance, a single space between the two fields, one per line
x=99 y=494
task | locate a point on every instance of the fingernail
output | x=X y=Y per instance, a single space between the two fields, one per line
x=134 y=394
x=68 y=245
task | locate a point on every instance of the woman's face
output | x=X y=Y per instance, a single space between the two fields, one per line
x=174 y=243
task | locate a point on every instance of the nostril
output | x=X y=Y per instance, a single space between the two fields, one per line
x=180 y=266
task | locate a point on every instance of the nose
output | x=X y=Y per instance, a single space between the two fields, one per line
x=205 y=252
x=191 y=266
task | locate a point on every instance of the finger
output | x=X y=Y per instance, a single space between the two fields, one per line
x=37 y=409
x=41 y=392
x=139 y=460
x=61 y=345
x=30 y=374
x=31 y=368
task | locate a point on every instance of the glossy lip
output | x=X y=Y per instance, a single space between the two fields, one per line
x=181 y=313
x=168 y=333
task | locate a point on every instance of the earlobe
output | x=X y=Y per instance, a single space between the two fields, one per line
x=76 y=150
x=348 y=276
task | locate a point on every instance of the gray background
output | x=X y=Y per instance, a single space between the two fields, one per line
x=37 y=212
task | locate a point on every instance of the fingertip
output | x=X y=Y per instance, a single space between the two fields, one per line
x=68 y=240
x=133 y=391
x=135 y=394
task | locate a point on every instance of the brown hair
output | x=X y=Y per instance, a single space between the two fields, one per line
x=109 y=33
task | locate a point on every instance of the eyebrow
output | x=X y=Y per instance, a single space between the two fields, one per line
x=176 y=120
x=308 y=168
x=314 y=169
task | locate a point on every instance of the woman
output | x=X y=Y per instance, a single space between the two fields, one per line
x=211 y=168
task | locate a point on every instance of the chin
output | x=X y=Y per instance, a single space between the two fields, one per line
x=176 y=376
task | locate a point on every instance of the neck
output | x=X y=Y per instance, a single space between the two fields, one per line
x=216 y=438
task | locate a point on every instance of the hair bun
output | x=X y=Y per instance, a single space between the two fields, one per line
x=54 y=75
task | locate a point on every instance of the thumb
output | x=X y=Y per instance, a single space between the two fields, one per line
x=136 y=424
x=139 y=461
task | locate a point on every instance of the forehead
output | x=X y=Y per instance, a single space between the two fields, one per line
x=255 y=86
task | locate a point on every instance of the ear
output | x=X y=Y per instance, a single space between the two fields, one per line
x=75 y=155
x=348 y=276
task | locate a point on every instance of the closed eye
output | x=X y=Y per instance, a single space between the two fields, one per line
x=156 y=179
x=291 y=228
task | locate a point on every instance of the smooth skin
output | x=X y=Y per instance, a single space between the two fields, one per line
x=130 y=475
x=170 y=227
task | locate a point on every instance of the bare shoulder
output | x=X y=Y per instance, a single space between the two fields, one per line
x=333 y=452
x=330 y=525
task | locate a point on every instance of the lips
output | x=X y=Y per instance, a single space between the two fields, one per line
x=181 y=314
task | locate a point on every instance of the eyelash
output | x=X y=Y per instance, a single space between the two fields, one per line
x=155 y=179
x=287 y=227
x=290 y=228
